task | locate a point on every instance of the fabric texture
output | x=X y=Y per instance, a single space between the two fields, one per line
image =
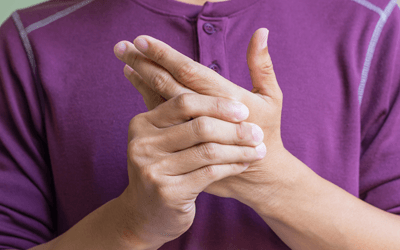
x=65 y=104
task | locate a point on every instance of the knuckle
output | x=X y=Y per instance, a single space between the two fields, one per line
x=131 y=150
x=182 y=102
x=133 y=122
x=133 y=59
x=220 y=106
x=160 y=55
x=209 y=151
x=140 y=150
x=134 y=152
x=137 y=122
x=159 y=82
x=240 y=131
x=248 y=152
x=135 y=146
x=187 y=73
x=267 y=65
x=210 y=172
x=202 y=127
x=150 y=175
x=146 y=149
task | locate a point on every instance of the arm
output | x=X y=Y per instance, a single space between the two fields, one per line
x=168 y=166
x=101 y=229
x=24 y=163
x=25 y=170
x=306 y=211
x=310 y=212
x=313 y=213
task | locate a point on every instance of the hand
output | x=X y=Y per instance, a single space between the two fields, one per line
x=171 y=160
x=162 y=72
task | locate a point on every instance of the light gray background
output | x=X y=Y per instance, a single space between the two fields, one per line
x=9 y=6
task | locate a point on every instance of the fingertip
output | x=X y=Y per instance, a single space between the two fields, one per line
x=119 y=49
x=141 y=44
x=128 y=70
x=241 y=112
x=265 y=33
x=261 y=151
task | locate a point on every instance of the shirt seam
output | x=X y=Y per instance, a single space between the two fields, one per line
x=40 y=94
x=370 y=6
x=372 y=46
x=32 y=62
x=23 y=35
x=160 y=12
x=56 y=16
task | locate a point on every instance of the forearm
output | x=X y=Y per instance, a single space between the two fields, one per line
x=313 y=213
x=104 y=228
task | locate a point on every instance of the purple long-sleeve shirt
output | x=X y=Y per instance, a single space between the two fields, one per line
x=65 y=104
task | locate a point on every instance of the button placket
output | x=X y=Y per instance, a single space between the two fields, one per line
x=211 y=37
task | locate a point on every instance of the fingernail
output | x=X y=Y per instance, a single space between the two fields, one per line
x=121 y=47
x=261 y=150
x=141 y=44
x=257 y=132
x=240 y=110
x=128 y=70
x=246 y=164
x=265 y=38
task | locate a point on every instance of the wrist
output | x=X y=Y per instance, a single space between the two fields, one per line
x=294 y=182
x=130 y=227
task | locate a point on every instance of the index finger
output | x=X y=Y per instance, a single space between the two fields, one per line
x=154 y=76
x=188 y=72
x=183 y=107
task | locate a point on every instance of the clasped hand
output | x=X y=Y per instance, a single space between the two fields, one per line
x=171 y=158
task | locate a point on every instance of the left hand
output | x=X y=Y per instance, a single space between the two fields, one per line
x=162 y=72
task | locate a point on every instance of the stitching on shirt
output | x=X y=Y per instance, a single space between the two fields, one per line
x=23 y=33
x=56 y=16
x=371 y=47
x=161 y=12
x=28 y=49
x=370 y=6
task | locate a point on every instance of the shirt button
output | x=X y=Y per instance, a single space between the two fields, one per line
x=209 y=28
x=214 y=67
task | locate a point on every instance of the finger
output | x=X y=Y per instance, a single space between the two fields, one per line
x=153 y=75
x=205 y=154
x=208 y=129
x=151 y=99
x=188 y=72
x=200 y=179
x=260 y=66
x=184 y=107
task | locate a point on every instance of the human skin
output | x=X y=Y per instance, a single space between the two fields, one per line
x=174 y=152
x=305 y=210
x=171 y=159
x=200 y=2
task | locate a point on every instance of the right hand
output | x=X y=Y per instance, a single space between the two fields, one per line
x=171 y=159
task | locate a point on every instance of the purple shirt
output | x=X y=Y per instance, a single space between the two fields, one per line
x=65 y=104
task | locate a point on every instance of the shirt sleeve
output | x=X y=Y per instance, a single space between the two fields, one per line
x=27 y=209
x=380 y=122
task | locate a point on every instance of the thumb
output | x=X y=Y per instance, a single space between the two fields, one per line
x=260 y=66
x=151 y=98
